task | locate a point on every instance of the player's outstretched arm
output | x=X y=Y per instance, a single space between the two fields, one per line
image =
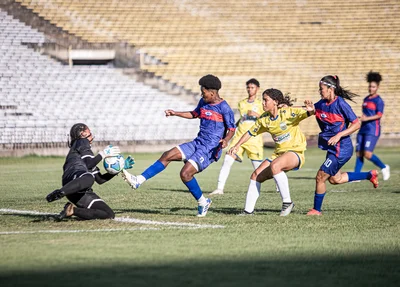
x=186 y=115
x=102 y=178
x=309 y=107
x=233 y=150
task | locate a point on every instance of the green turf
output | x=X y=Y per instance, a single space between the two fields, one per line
x=355 y=243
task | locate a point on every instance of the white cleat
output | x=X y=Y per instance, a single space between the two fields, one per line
x=386 y=172
x=287 y=209
x=217 y=191
x=202 y=210
x=130 y=179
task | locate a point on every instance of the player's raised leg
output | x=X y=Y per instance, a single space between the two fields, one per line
x=173 y=154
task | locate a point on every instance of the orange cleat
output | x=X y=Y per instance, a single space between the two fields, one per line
x=374 y=178
x=314 y=212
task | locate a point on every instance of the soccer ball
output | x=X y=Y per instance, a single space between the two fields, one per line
x=114 y=164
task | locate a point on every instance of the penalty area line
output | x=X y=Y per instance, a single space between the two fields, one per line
x=122 y=219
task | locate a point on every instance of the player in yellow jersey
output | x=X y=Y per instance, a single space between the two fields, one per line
x=250 y=110
x=290 y=144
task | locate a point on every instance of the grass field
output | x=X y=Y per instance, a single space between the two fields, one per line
x=355 y=242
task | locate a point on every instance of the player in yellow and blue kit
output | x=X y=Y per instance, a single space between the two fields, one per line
x=250 y=110
x=337 y=122
x=290 y=145
x=370 y=131
x=217 y=126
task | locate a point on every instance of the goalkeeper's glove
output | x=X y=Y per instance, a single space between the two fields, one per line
x=110 y=151
x=129 y=162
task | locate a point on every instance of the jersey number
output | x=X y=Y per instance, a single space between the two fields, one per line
x=328 y=162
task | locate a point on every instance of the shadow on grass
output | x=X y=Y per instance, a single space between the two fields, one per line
x=144 y=211
x=171 y=189
x=367 y=270
x=35 y=217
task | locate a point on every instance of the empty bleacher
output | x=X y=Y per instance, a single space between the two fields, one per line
x=40 y=99
x=285 y=44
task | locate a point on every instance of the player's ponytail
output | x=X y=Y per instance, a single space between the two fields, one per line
x=75 y=133
x=278 y=96
x=334 y=83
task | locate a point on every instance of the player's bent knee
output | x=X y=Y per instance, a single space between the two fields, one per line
x=333 y=181
x=186 y=176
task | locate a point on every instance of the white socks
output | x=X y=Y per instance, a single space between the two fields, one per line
x=252 y=195
x=140 y=179
x=282 y=182
x=225 y=170
x=256 y=163
x=202 y=201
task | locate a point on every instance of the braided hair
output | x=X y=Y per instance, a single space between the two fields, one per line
x=334 y=82
x=277 y=96
x=373 y=77
x=76 y=133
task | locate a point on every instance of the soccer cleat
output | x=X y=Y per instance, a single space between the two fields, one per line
x=55 y=195
x=130 y=179
x=314 y=212
x=245 y=213
x=202 y=210
x=217 y=191
x=286 y=208
x=374 y=178
x=386 y=172
x=66 y=212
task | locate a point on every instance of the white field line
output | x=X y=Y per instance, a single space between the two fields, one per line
x=123 y=219
x=179 y=224
x=78 y=230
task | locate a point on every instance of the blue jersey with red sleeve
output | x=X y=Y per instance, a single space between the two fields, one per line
x=372 y=106
x=215 y=120
x=333 y=118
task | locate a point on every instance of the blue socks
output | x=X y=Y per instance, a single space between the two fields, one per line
x=377 y=161
x=358 y=175
x=194 y=188
x=359 y=164
x=154 y=169
x=374 y=159
x=318 y=199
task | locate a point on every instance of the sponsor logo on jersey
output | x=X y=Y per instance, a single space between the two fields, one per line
x=208 y=114
x=323 y=116
x=282 y=138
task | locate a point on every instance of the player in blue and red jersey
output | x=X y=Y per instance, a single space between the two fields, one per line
x=337 y=122
x=217 y=126
x=368 y=135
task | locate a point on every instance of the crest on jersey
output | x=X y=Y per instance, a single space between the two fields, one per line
x=283 y=126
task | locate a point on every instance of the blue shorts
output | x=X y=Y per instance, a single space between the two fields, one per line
x=199 y=154
x=366 y=142
x=333 y=164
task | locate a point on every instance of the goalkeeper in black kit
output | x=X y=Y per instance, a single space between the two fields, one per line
x=80 y=173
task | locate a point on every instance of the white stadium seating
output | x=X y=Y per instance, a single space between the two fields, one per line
x=48 y=97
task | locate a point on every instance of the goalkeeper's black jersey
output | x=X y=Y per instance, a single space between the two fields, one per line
x=75 y=161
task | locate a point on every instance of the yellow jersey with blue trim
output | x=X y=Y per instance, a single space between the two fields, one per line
x=284 y=129
x=246 y=121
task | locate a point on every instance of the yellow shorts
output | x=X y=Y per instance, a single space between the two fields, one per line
x=253 y=148
x=300 y=155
